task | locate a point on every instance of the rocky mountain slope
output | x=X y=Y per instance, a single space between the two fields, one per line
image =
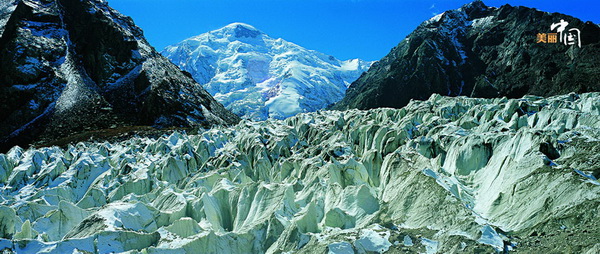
x=446 y=175
x=68 y=66
x=257 y=77
x=481 y=51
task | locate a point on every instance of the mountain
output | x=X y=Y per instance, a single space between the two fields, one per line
x=69 y=66
x=481 y=51
x=445 y=175
x=257 y=77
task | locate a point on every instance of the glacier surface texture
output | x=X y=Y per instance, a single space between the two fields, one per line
x=446 y=175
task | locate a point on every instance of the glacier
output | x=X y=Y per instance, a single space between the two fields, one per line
x=445 y=175
x=257 y=77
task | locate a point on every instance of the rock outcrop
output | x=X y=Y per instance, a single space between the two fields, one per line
x=481 y=51
x=446 y=175
x=68 y=66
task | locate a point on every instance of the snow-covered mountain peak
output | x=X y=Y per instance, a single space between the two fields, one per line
x=239 y=30
x=257 y=76
x=230 y=33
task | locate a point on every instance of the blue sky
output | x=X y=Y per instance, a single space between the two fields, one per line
x=346 y=29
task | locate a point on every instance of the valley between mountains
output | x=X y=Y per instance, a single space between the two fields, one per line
x=468 y=137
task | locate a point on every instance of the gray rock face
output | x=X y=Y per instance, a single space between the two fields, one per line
x=68 y=66
x=6 y=8
x=446 y=175
x=481 y=51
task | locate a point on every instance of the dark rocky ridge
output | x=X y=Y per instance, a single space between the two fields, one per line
x=480 y=51
x=68 y=66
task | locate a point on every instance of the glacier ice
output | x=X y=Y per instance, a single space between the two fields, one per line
x=371 y=241
x=407 y=241
x=340 y=248
x=434 y=176
x=431 y=246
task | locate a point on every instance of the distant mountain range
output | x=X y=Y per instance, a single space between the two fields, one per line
x=257 y=77
x=481 y=51
x=73 y=66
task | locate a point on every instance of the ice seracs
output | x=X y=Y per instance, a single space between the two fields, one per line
x=257 y=76
x=446 y=175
